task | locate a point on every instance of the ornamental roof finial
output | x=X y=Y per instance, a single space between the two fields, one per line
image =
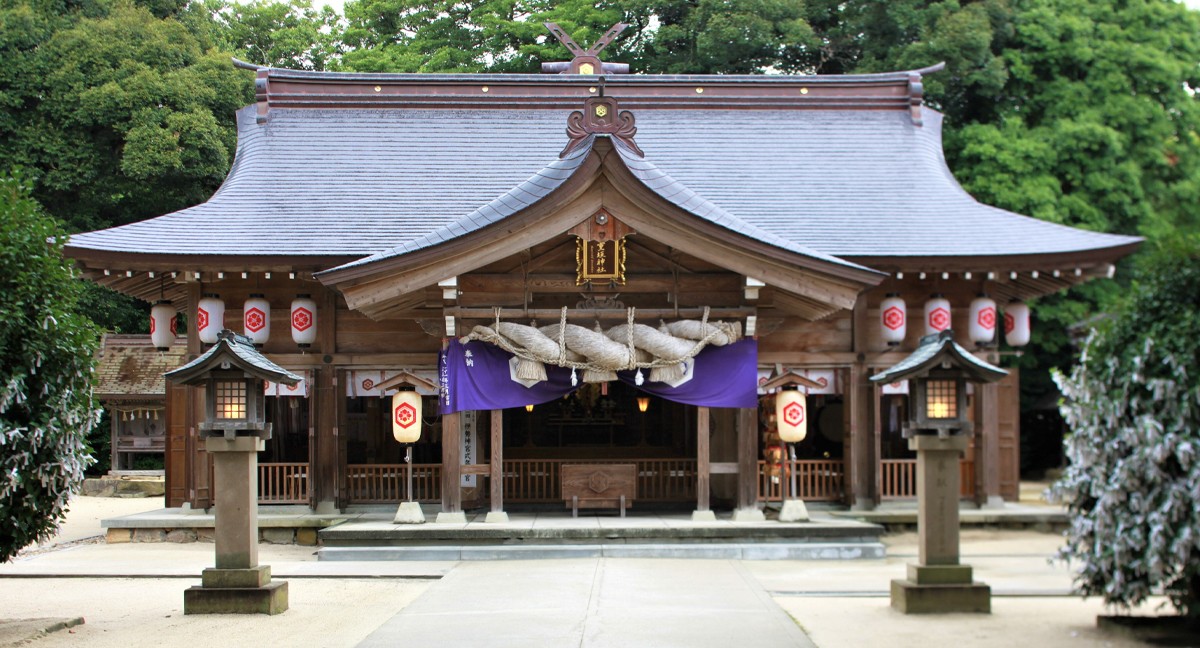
x=585 y=61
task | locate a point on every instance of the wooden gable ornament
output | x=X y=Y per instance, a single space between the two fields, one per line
x=600 y=249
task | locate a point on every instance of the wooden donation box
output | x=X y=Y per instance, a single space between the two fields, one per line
x=599 y=486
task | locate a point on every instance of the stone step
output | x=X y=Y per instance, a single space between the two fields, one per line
x=720 y=551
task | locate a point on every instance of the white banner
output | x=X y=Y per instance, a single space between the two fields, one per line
x=898 y=387
x=299 y=389
x=827 y=378
x=470 y=450
x=364 y=383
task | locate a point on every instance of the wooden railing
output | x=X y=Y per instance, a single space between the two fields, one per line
x=283 y=483
x=898 y=478
x=386 y=483
x=658 y=480
x=816 y=480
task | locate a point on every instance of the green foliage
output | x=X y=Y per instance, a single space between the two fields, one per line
x=119 y=114
x=290 y=35
x=46 y=373
x=1133 y=404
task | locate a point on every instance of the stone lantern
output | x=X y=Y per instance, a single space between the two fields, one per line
x=938 y=372
x=234 y=429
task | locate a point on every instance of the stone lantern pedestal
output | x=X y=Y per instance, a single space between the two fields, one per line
x=938 y=583
x=237 y=584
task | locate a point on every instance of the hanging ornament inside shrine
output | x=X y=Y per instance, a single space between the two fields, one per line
x=304 y=321
x=162 y=324
x=256 y=319
x=210 y=318
x=406 y=416
x=982 y=327
x=893 y=319
x=937 y=314
x=791 y=415
x=600 y=250
x=1016 y=324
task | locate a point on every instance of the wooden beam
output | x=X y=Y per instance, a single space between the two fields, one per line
x=747 y=451
x=703 y=458
x=496 y=483
x=565 y=283
x=451 y=463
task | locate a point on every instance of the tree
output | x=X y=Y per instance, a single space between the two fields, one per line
x=290 y=35
x=1133 y=403
x=117 y=112
x=46 y=373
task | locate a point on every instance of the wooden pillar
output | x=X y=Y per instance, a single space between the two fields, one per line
x=324 y=453
x=747 y=490
x=860 y=393
x=496 y=479
x=987 y=446
x=703 y=460
x=451 y=468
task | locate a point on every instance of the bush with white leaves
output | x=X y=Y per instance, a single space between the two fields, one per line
x=1133 y=481
x=46 y=373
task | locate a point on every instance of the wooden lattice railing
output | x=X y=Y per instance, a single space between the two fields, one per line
x=386 y=483
x=283 y=483
x=658 y=480
x=816 y=480
x=898 y=478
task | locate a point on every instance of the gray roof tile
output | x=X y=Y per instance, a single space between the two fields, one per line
x=365 y=181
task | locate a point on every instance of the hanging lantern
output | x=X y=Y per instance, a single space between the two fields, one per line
x=210 y=318
x=791 y=415
x=406 y=416
x=937 y=314
x=162 y=325
x=983 y=320
x=1016 y=324
x=304 y=321
x=256 y=319
x=893 y=319
x=643 y=403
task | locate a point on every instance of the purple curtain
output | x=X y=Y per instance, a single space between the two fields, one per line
x=477 y=376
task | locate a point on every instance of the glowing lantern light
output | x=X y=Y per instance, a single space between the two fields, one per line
x=791 y=415
x=256 y=319
x=893 y=319
x=982 y=327
x=406 y=416
x=937 y=314
x=643 y=403
x=210 y=318
x=162 y=325
x=1016 y=324
x=304 y=321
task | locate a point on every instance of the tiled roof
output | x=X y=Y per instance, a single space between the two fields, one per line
x=930 y=353
x=239 y=351
x=129 y=366
x=357 y=182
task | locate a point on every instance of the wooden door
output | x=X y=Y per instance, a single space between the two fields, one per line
x=177 y=445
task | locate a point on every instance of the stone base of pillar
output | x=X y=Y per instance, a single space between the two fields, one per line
x=496 y=517
x=409 y=513
x=863 y=504
x=993 y=502
x=446 y=517
x=704 y=516
x=327 y=507
x=793 y=510
x=940 y=589
x=748 y=515
x=237 y=591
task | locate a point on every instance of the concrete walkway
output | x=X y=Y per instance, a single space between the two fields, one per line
x=595 y=603
x=132 y=595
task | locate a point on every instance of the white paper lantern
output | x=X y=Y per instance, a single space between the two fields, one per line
x=406 y=416
x=982 y=327
x=791 y=415
x=256 y=319
x=162 y=325
x=937 y=314
x=304 y=321
x=1016 y=324
x=210 y=318
x=893 y=319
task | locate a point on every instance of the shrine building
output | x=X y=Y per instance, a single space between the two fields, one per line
x=591 y=268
